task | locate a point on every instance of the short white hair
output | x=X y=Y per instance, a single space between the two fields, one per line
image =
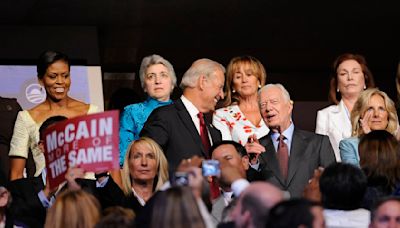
x=199 y=67
x=285 y=93
x=153 y=60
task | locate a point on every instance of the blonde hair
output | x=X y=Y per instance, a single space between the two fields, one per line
x=361 y=105
x=235 y=63
x=82 y=208
x=161 y=161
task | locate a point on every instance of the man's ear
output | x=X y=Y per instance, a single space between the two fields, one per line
x=247 y=218
x=245 y=162
x=202 y=81
x=4 y=196
x=291 y=106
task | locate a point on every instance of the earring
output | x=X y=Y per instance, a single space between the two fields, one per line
x=259 y=86
x=365 y=87
x=233 y=91
x=337 y=90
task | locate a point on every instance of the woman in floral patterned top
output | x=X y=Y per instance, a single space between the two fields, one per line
x=240 y=118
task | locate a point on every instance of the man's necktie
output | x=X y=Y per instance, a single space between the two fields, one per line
x=214 y=187
x=283 y=156
x=204 y=134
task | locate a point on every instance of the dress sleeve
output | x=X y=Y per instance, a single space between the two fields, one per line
x=126 y=132
x=93 y=109
x=19 y=145
x=220 y=122
x=321 y=123
x=348 y=152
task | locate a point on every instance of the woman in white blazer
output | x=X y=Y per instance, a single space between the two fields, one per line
x=349 y=78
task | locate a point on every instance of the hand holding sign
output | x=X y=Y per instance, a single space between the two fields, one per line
x=90 y=142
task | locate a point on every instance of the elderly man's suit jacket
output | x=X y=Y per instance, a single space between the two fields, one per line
x=308 y=152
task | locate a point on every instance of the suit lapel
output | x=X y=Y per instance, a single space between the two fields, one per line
x=297 y=150
x=339 y=116
x=270 y=159
x=218 y=207
x=188 y=122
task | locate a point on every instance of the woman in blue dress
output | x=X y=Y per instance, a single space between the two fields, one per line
x=158 y=80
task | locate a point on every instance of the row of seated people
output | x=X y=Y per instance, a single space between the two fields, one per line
x=256 y=116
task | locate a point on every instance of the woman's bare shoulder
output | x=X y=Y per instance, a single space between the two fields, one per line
x=79 y=107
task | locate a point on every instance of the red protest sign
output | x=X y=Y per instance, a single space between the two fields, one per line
x=90 y=142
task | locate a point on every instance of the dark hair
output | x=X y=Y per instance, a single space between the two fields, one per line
x=116 y=216
x=380 y=156
x=380 y=202
x=369 y=79
x=291 y=214
x=342 y=187
x=50 y=121
x=47 y=58
x=239 y=148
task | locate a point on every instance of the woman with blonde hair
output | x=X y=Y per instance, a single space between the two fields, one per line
x=75 y=209
x=144 y=172
x=374 y=110
x=145 y=168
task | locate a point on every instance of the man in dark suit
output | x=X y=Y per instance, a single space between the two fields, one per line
x=287 y=156
x=177 y=128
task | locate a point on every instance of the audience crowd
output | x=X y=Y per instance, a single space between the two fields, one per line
x=227 y=153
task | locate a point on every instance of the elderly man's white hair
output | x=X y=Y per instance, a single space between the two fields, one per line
x=199 y=67
x=285 y=93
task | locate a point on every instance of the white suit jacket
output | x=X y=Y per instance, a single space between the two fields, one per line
x=334 y=122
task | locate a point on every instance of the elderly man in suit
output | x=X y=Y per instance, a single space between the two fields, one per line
x=287 y=156
x=180 y=128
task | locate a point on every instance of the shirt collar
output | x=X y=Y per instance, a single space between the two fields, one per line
x=140 y=199
x=288 y=133
x=193 y=111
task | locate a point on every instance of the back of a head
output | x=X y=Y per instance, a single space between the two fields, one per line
x=176 y=207
x=342 y=187
x=199 y=67
x=380 y=155
x=292 y=213
x=258 y=199
x=73 y=209
x=116 y=217
x=49 y=122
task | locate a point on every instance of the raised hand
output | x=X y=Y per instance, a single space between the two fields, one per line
x=254 y=149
